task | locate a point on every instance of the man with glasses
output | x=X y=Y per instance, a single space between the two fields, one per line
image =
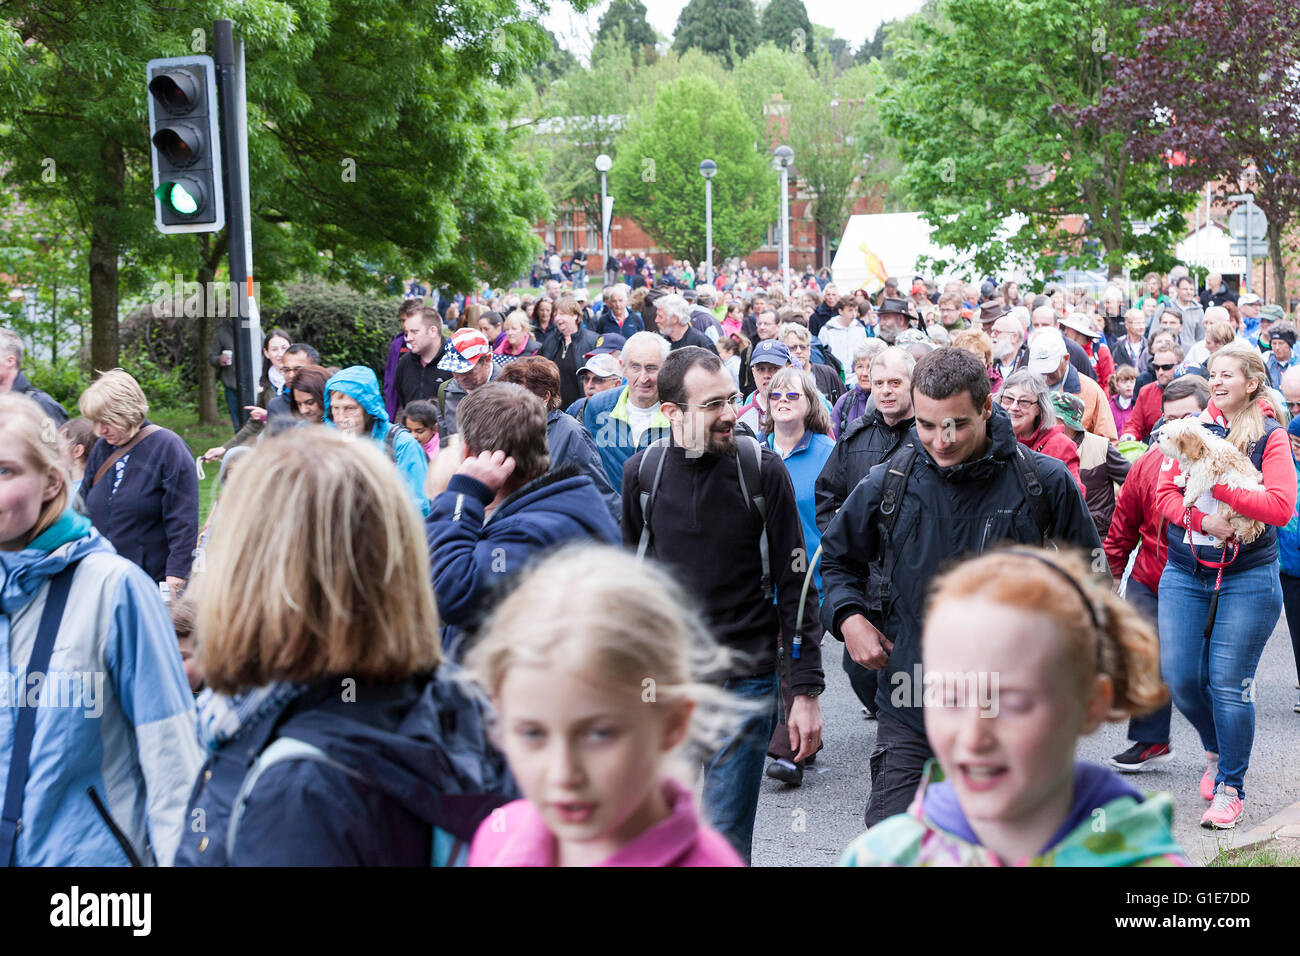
x=1290 y=389
x=703 y=520
x=626 y=419
x=1008 y=337
x=1146 y=409
x=798 y=341
x=1136 y=521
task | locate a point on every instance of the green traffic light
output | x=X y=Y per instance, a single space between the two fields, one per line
x=177 y=198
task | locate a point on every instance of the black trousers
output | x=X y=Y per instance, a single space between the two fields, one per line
x=896 y=766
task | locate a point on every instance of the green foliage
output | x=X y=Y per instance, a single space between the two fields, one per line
x=656 y=173
x=725 y=28
x=347 y=327
x=625 y=22
x=785 y=24
x=65 y=381
x=988 y=133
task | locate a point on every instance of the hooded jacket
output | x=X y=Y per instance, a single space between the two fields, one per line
x=116 y=712
x=359 y=383
x=406 y=757
x=471 y=556
x=571 y=444
x=48 y=405
x=934 y=832
x=945 y=513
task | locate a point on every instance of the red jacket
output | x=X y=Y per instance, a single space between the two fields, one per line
x=1054 y=443
x=1137 y=520
x=1146 y=411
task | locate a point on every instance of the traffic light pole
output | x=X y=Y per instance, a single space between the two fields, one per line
x=234 y=155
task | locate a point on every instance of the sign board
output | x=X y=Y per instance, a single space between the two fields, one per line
x=1248 y=219
x=1258 y=249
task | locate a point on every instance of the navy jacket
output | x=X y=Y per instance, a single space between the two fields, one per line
x=410 y=756
x=48 y=405
x=153 y=517
x=571 y=444
x=470 y=557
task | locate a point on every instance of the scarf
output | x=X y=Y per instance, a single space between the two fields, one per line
x=221 y=716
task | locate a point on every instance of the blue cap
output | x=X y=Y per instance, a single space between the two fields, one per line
x=1294 y=428
x=770 y=352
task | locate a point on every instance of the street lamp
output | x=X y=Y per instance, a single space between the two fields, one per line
x=707 y=169
x=603 y=164
x=784 y=157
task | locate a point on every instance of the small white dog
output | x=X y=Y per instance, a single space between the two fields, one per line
x=1208 y=460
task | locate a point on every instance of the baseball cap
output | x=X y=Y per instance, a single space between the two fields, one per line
x=1272 y=313
x=603 y=365
x=580 y=293
x=770 y=351
x=467 y=346
x=610 y=343
x=1247 y=298
x=1046 y=351
x=1079 y=323
x=1069 y=409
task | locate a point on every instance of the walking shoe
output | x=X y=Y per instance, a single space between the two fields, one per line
x=1296 y=708
x=868 y=713
x=1141 y=757
x=1225 y=811
x=1207 y=780
x=787 y=771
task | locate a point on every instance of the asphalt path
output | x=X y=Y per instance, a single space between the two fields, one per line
x=812 y=824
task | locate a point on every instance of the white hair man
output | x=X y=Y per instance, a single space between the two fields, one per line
x=12 y=378
x=625 y=420
x=673 y=316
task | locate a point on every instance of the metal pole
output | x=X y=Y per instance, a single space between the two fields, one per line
x=235 y=163
x=1250 y=262
x=785 y=229
x=708 y=230
x=604 y=235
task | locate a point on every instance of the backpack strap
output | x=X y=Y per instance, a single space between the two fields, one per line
x=390 y=440
x=749 y=458
x=647 y=479
x=1033 y=485
x=442 y=396
x=900 y=469
x=56 y=600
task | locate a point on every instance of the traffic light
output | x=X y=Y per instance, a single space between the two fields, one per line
x=183 y=135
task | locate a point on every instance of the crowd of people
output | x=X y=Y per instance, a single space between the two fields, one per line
x=507 y=602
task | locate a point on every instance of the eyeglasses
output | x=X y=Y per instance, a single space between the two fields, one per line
x=786 y=396
x=1028 y=404
x=799 y=348
x=716 y=405
x=1293 y=405
x=1163 y=368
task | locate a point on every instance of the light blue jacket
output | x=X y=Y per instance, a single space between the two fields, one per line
x=804 y=464
x=360 y=383
x=1288 y=540
x=115 y=713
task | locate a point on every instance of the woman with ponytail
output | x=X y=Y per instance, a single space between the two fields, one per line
x=1024 y=652
x=1218 y=605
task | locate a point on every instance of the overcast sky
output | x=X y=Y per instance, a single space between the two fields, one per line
x=854 y=20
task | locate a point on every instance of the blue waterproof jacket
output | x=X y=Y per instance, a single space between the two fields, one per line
x=470 y=557
x=361 y=384
x=115 y=711
x=1288 y=540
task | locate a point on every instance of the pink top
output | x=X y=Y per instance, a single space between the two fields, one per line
x=518 y=836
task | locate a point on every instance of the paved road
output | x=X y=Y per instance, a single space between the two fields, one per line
x=811 y=825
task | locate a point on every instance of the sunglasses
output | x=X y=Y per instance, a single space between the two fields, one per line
x=1163 y=368
x=787 y=396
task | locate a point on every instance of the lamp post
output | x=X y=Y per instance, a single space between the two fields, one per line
x=603 y=163
x=784 y=157
x=707 y=169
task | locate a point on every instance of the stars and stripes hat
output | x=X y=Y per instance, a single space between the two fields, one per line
x=467 y=346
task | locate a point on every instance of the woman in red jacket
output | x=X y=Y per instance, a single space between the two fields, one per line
x=1028 y=403
x=1210 y=648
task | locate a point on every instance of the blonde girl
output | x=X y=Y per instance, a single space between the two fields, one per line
x=593 y=699
x=1023 y=653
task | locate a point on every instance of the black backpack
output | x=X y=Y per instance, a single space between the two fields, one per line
x=900 y=469
x=749 y=461
x=390 y=440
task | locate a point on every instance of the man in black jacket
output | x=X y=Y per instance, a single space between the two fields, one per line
x=672 y=314
x=705 y=526
x=12 y=378
x=963 y=492
x=867 y=442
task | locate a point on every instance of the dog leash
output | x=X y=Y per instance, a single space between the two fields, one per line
x=1218 y=578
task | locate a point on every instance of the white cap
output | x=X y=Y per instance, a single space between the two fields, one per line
x=1247 y=298
x=1046 y=350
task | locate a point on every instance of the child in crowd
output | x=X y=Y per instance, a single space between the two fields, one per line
x=421 y=420
x=1122 y=382
x=730 y=348
x=1058 y=654
x=78 y=438
x=593 y=698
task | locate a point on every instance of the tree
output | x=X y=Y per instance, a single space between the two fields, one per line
x=990 y=133
x=724 y=28
x=785 y=24
x=553 y=65
x=1214 y=87
x=630 y=17
x=657 y=181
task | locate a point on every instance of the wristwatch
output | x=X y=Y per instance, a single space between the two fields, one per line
x=813 y=693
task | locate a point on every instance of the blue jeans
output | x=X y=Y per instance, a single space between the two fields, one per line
x=1213 y=681
x=1152 y=728
x=734 y=775
x=233 y=406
